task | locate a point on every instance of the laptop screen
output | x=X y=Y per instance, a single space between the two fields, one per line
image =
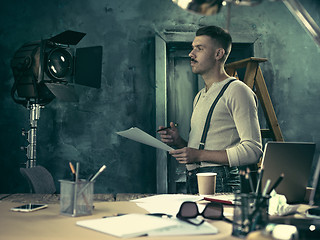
x=315 y=193
x=294 y=160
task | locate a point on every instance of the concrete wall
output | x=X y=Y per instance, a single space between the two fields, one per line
x=84 y=131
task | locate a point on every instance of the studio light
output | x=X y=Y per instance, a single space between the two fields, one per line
x=47 y=69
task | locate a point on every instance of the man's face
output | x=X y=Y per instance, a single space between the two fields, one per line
x=203 y=54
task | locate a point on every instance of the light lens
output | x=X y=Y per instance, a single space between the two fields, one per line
x=59 y=63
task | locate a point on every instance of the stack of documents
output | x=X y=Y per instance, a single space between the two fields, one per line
x=134 y=225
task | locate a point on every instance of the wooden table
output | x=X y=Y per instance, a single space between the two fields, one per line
x=49 y=224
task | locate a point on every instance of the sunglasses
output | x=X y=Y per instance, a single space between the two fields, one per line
x=189 y=210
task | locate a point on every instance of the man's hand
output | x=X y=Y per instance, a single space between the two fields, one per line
x=171 y=136
x=192 y=155
x=186 y=155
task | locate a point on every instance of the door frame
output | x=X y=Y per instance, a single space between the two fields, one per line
x=161 y=64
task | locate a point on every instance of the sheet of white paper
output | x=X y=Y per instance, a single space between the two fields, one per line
x=170 y=204
x=130 y=225
x=138 y=135
x=134 y=225
x=168 y=198
x=185 y=229
x=166 y=203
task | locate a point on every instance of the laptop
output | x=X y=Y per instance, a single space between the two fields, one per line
x=294 y=159
x=315 y=193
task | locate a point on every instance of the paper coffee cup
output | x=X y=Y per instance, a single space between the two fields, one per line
x=207 y=183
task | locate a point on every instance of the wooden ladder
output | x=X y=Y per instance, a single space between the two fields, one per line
x=254 y=79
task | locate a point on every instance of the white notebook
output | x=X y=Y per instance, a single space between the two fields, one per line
x=129 y=225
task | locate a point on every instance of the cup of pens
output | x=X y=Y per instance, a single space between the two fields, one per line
x=76 y=197
x=250 y=213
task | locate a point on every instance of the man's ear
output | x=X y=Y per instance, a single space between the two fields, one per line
x=220 y=53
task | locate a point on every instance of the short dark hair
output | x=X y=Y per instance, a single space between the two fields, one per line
x=219 y=34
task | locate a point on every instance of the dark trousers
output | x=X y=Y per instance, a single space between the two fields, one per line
x=228 y=179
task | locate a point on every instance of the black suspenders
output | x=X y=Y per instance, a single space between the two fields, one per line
x=207 y=124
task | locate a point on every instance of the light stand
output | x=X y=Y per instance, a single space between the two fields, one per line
x=47 y=69
x=34 y=109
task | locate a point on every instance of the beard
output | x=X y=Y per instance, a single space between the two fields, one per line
x=197 y=68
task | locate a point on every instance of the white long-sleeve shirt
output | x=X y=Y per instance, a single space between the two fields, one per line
x=234 y=125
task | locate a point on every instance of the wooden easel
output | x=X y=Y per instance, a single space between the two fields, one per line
x=254 y=79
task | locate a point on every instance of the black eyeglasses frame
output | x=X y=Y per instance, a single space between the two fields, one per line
x=216 y=205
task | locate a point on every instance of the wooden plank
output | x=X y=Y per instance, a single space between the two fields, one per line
x=243 y=63
x=250 y=73
x=254 y=78
x=265 y=100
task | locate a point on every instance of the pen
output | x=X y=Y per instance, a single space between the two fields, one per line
x=242 y=176
x=73 y=171
x=258 y=189
x=248 y=177
x=77 y=171
x=98 y=173
x=276 y=183
x=259 y=202
x=92 y=179
x=266 y=188
x=76 y=190
x=176 y=125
